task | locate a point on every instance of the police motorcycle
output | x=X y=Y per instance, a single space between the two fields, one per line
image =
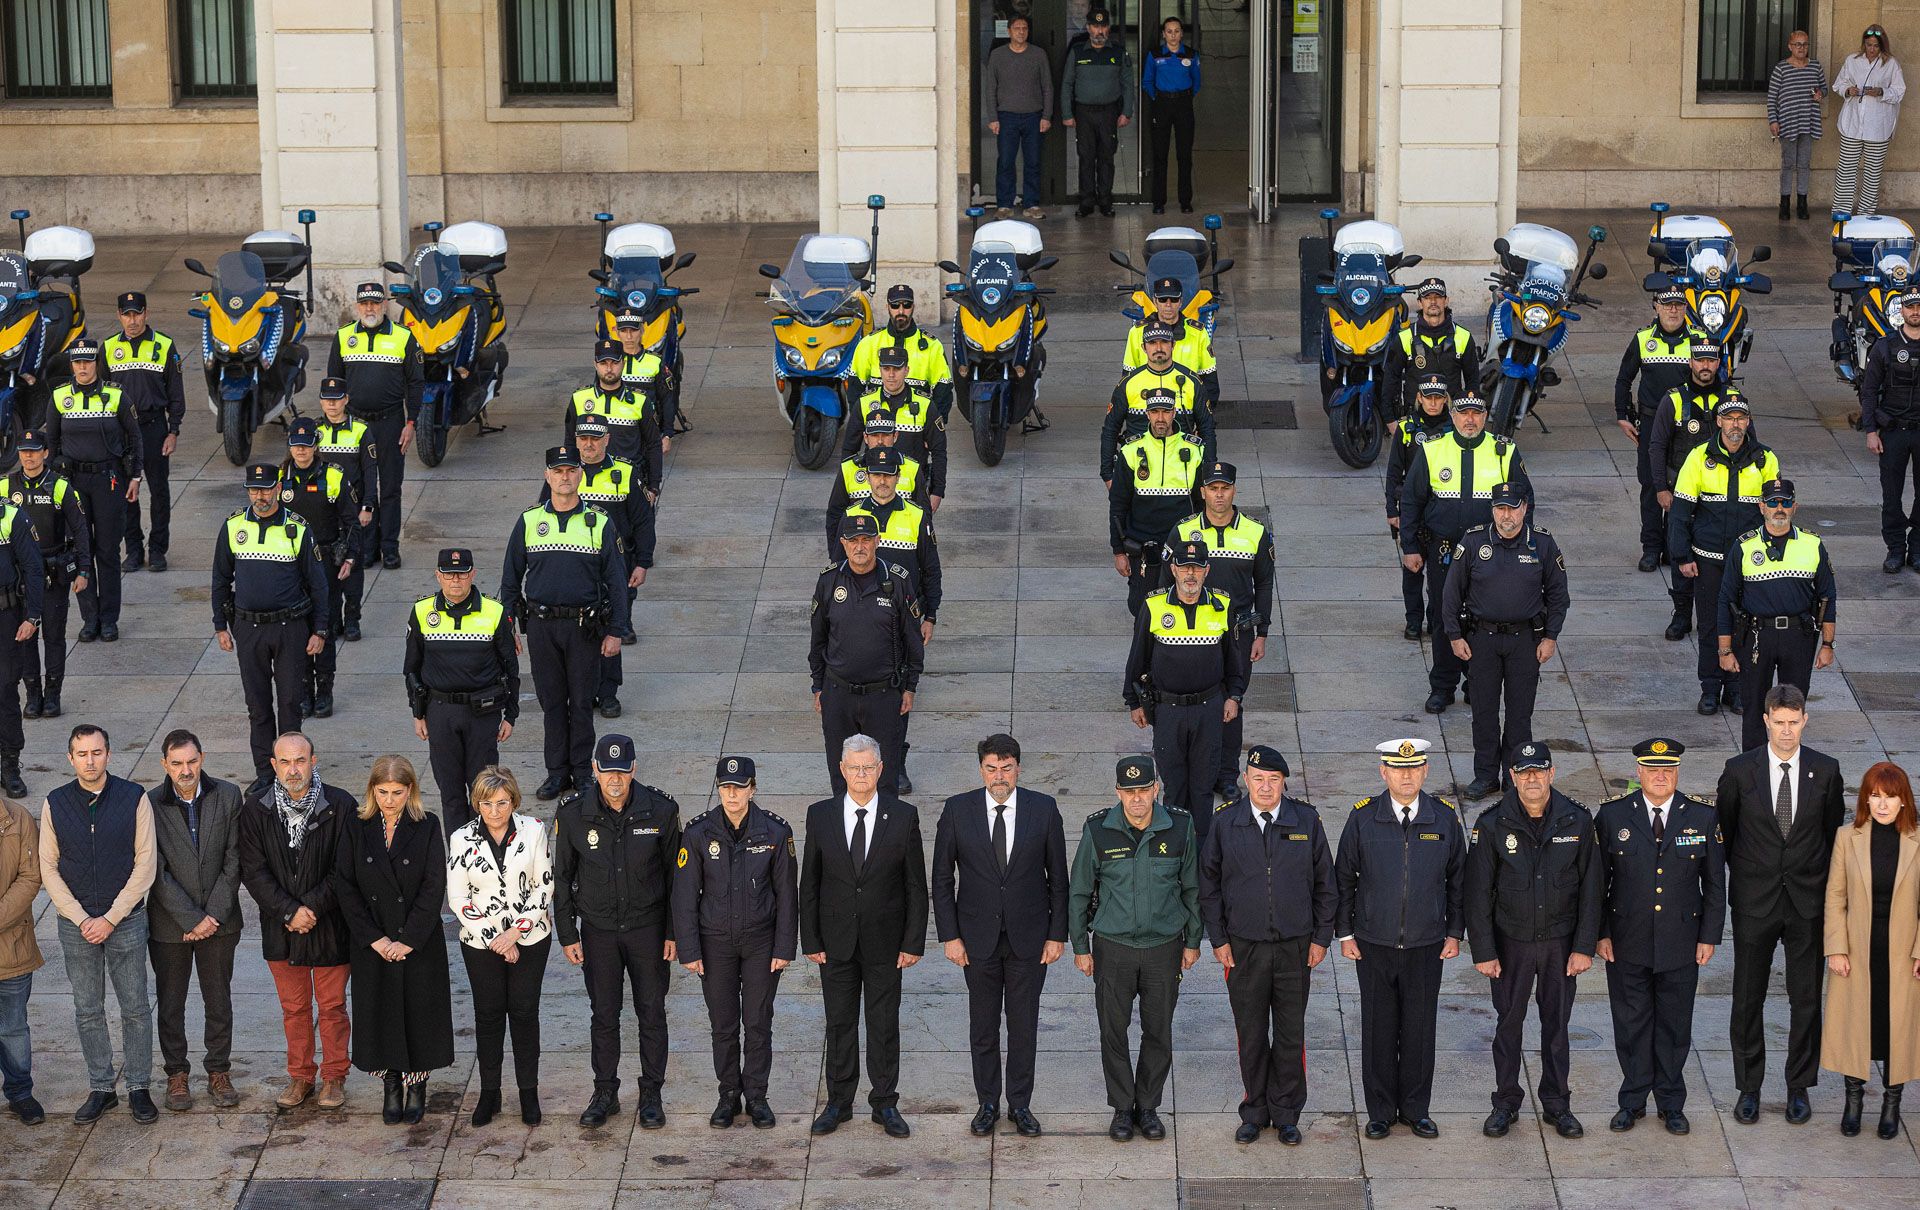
x=1185 y=255
x=40 y=316
x=824 y=305
x=1534 y=288
x=251 y=331
x=1363 y=312
x=453 y=308
x=1696 y=253
x=997 y=325
x=1873 y=264
x=636 y=259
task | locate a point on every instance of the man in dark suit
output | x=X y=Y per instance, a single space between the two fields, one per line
x=1779 y=806
x=1006 y=924
x=863 y=920
x=193 y=915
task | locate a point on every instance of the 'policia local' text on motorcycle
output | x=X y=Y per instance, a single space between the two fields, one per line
x=997 y=328
x=250 y=337
x=1184 y=255
x=1873 y=265
x=451 y=305
x=825 y=305
x=1696 y=252
x=40 y=316
x=636 y=259
x=1363 y=311
x=1534 y=290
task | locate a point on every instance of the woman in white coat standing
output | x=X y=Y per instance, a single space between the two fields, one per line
x=1870 y=87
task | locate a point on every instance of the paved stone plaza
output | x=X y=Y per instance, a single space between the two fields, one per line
x=1031 y=639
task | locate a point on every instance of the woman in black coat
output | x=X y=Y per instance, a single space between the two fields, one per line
x=391 y=880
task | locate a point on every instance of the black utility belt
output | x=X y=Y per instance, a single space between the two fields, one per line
x=1900 y=426
x=268 y=617
x=110 y=466
x=1484 y=627
x=10 y=598
x=1186 y=699
x=861 y=688
x=558 y=613
x=481 y=700
x=1781 y=621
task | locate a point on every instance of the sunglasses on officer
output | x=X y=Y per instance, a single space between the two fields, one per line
x=1776 y=501
x=900 y=306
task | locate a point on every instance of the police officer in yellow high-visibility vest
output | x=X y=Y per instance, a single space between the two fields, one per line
x=1449 y=490
x=1776 y=609
x=1156 y=482
x=633 y=419
x=463 y=681
x=1127 y=411
x=146 y=365
x=648 y=377
x=919 y=425
x=1432 y=344
x=380 y=362
x=927 y=367
x=347 y=443
x=907 y=542
x=851 y=485
x=96 y=440
x=1658 y=355
x=1192 y=346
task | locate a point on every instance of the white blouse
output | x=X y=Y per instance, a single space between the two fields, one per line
x=488 y=899
x=1869 y=119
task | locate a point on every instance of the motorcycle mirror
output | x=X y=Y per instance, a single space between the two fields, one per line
x=686 y=258
x=1597 y=272
x=947 y=266
x=393 y=266
x=1761 y=252
x=1408 y=262
x=1223 y=266
x=1120 y=258
x=194 y=266
x=1212 y=222
x=876 y=202
x=1046 y=262
x=769 y=271
x=599 y=275
x=1501 y=247
x=1659 y=207
x=20 y=215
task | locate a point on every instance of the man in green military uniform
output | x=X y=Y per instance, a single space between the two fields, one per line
x=927 y=369
x=1096 y=95
x=1135 y=887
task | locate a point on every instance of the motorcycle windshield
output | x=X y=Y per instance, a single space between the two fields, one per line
x=1892 y=258
x=14 y=279
x=636 y=278
x=814 y=290
x=1178 y=265
x=1361 y=277
x=1544 y=281
x=1710 y=260
x=992 y=273
x=238 y=282
x=436 y=271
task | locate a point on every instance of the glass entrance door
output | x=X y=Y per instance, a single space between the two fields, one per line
x=1294 y=107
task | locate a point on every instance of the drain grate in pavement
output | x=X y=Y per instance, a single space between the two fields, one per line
x=1254 y=414
x=325 y=1195
x=1350 y=1194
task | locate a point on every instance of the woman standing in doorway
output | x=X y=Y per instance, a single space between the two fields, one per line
x=1170 y=78
x=1794 y=91
x=1870 y=86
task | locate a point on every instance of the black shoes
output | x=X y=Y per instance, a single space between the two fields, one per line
x=552 y=788
x=1799 y=1109
x=1377 y=1129
x=158 y=562
x=1746 y=1110
x=1186 y=207
x=982 y=1124
x=1497 y=1124
x=1120 y=1129
x=890 y=1120
x=393 y=1100
x=830 y=1118
x=416 y=1106
x=1566 y=1125
x=134 y=561
x=96 y=1104
x=50 y=706
x=1151 y=1127
x=1800 y=205
x=1650 y=561
x=1709 y=700
x=1160 y=209
x=1895 y=561
x=652 y=1116
x=1106 y=212
x=1247 y=1133
x=351 y=631
x=390 y=560
x=10 y=779
x=1082 y=211
x=1730 y=697
x=140 y=1102
x=605 y=1104
x=1412 y=633
x=35 y=702
x=323 y=697
x=609 y=706
x=1481 y=787
x=904 y=785
x=724 y=1113
x=1676 y=1122
x=1890 y=1113
x=1624 y=1120
x=1289 y=1133
x=1784 y=211
x=1024 y=1122
x=1438 y=701
x=1680 y=626
x=109 y=632
x=28 y=1110
x=486 y=1107
x=89 y=631
x=1856 y=1102
x=530 y=1106
x=1422 y=1127
x=761 y=1113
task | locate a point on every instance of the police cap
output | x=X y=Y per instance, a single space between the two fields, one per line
x=883 y=461
x=1433 y=384
x=1133 y=772
x=608 y=350
x=262 y=474
x=1508 y=495
x=1469 y=402
x=455 y=560
x=1911 y=296
x=1703 y=349
x=1431 y=286
x=1735 y=402
x=880 y=421
x=1188 y=554
x=1160 y=401
x=893 y=355
x=733 y=771
x=1168 y=287
x=1403 y=753
x=83 y=350
x=590 y=426
x=370 y=291
x=1530 y=755
x=132 y=303
x=1098 y=16
x=629 y=319
x=32 y=439
x=1659 y=751
x=333 y=388
x=303 y=431
x=613 y=754
x=1218 y=472
x=900 y=294
x=563 y=455
x=1262 y=757
x=859 y=525
x=1777 y=489
x=1672 y=294
x=1157 y=331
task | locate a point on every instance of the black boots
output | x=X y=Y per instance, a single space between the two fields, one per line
x=487 y=1106
x=530 y=1106
x=1890 y=1112
x=323 y=696
x=393 y=1103
x=1801 y=208
x=416 y=1106
x=1850 y=1114
x=10 y=779
x=35 y=703
x=1784 y=211
x=50 y=704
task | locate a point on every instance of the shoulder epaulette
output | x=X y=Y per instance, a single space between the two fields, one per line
x=777 y=819
x=1173 y=810
x=1222 y=599
x=1749 y=534
x=1443 y=802
x=1097 y=814
x=236 y=512
x=419 y=600
x=1541 y=529
x=1158 y=593
x=1475 y=529
x=1362 y=803
x=1223 y=806
x=896 y=570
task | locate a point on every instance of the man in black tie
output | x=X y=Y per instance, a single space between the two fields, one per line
x=863 y=920
x=1779 y=807
x=1006 y=923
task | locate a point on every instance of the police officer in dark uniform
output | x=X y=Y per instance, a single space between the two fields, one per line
x=1449 y=490
x=1240 y=563
x=1156 y=482
x=146 y=365
x=53 y=505
x=95 y=440
x=1400 y=872
x=850 y=485
x=614 y=848
x=920 y=427
x=1776 y=608
x=23 y=586
x=633 y=418
x=347 y=443
x=1504 y=604
x=735 y=912
x=324 y=499
x=1158 y=377
x=1186 y=675
x=1663 y=867
x=1533 y=891
x=380 y=362
x=269 y=605
x=564 y=581
x=906 y=541
x=462 y=671
x=1659 y=356
x=1890 y=417
x=865 y=649
x=1266 y=894
x=1681 y=421
x=616 y=488
x=1432 y=344
x=1430 y=418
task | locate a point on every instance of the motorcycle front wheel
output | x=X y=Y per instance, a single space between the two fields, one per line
x=1355 y=438
x=236 y=430
x=431 y=436
x=989 y=439
x=1509 y=407
x=814 y=438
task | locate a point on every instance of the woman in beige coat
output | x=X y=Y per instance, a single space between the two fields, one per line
x=1873 y=948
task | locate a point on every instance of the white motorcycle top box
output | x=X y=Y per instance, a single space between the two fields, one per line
x=1023 y=238
x=53 y=248
x=848 y=252
x=481 y=247
x=1369 y=235
x=282 y=253
x=1543 y=245
x=1856 y=238
x=635 y=239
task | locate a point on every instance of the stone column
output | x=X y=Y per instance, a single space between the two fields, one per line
x=332 y=136
x=1447 y=136
x=889 y=94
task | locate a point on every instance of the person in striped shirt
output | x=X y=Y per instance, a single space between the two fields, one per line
x=1794 y=92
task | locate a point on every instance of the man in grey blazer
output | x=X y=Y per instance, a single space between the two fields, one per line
x=193 y=914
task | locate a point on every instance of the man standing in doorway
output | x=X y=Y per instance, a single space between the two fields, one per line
x=1096 y=95
x=1017 y=92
